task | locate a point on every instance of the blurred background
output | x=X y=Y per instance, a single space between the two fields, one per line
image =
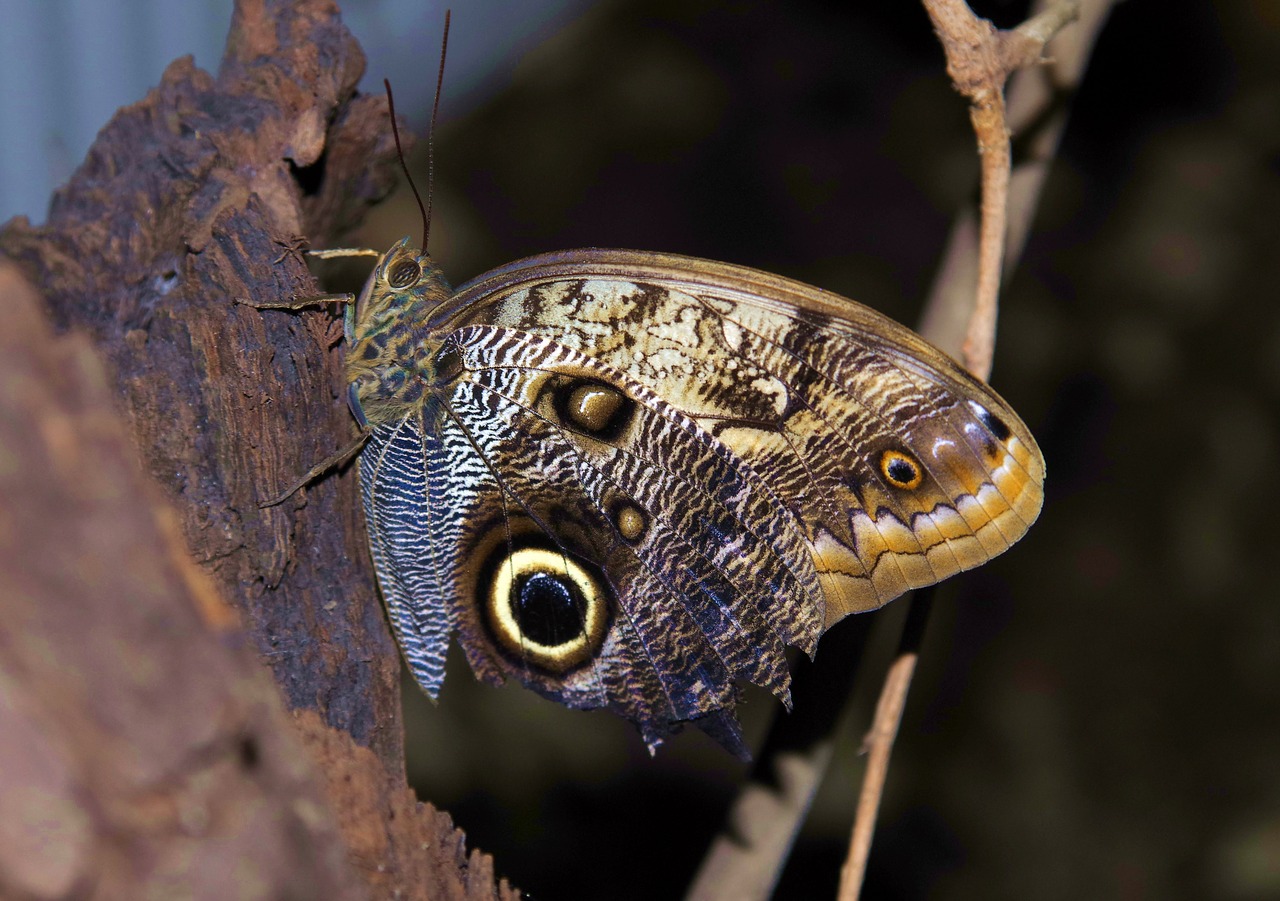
x=1096 y=713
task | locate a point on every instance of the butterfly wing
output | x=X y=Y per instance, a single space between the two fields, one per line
x=644 y=475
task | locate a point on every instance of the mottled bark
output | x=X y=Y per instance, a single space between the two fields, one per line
x=145 y=415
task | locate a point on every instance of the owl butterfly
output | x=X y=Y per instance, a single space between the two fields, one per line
x=630 y=480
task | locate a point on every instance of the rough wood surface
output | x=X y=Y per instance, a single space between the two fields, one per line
x=131 y=702
x=142 y=748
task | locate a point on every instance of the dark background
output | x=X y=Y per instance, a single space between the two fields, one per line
x=1096 y=714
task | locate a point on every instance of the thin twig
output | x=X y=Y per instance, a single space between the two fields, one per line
x=980 y=60
x=878 y=742
x=744 y=861
x=1037 y=104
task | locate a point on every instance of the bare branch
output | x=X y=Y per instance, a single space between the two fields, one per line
x=979 y=59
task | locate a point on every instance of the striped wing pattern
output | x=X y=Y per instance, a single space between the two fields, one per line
x=631 y=480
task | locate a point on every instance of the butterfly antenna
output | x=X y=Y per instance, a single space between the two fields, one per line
x=431 y=129
x=395 y=133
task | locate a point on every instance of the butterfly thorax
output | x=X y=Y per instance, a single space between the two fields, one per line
x=391 y=352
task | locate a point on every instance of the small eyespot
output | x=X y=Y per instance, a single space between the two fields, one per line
x=631 y=521
x=593 y=408
x=404 y=274
x=900 y=470
x=994 y=424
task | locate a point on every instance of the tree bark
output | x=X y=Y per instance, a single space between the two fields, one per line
x=143 y=747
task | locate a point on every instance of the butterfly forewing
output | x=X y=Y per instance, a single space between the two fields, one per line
x=817 y=393
x=638 y=476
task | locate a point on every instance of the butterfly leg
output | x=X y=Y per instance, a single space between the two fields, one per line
x=315 y=300
x=333 y=461
x=334 y=253
x=298 y=303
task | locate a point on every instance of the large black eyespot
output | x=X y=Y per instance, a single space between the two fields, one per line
x=900 y=470
x=549 y=609
x=404 y=274
x=544 y=608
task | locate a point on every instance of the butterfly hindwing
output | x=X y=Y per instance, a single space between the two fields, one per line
x=621 y=508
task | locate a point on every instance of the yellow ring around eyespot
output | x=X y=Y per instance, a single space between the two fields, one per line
x=888 y=458
x=555 y=658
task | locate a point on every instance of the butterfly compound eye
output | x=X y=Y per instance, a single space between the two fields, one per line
x=404 y=274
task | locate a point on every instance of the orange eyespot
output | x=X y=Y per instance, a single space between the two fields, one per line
x=404 y=274
x=900 y=470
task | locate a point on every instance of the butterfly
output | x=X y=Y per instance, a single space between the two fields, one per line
x=632 y=480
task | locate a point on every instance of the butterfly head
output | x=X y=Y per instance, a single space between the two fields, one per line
x=386 y=328
x=405 y=281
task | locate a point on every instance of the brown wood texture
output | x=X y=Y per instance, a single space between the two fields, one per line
x=143 y=747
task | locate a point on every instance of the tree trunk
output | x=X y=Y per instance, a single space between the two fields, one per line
x=143 y=749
